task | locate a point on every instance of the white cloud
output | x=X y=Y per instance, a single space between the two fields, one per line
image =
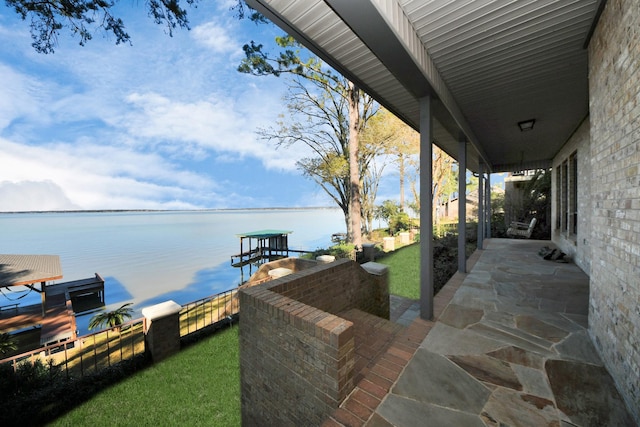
x=100 y=177
x=105 y=126
x=19 y=96
x=33 y=196
x=215 y=37
x=218 y=124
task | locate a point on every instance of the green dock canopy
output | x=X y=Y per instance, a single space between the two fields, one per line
x=263 y=234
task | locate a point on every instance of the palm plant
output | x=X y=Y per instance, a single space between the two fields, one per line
x=111 y=318
x=7 y=343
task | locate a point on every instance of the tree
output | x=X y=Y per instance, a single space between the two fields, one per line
x=335 y=113
x=400 y=142
x=111 y=318
x=86 y=17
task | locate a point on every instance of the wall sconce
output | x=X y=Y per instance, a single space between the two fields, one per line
x=526 y=125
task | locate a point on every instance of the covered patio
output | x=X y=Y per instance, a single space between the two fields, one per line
x=508 y=86
x=509 y=346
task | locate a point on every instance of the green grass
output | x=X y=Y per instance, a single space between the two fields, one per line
x=198 y=386
x=404 y=271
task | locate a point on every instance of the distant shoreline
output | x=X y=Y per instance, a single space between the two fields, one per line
x=170 y=210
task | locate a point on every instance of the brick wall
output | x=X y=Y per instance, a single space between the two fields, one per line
x=614 y=85
x=296 y=355
x=576 y=246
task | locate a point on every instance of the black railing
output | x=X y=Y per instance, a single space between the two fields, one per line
x=209 y=311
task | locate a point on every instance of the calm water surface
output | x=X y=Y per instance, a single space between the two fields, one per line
x=150 y=257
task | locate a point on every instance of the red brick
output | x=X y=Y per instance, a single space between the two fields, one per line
x=331 y=423
x=380 y=381
x=385 y=372
x=365 y=398
x=347 y=418
x=401 y=353
x=357 y=408
x=372 y=388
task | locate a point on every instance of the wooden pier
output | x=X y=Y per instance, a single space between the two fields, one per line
x=55 y=317
x=261 y=246
x=59 y=322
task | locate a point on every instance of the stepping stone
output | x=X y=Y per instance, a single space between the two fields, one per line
x=489 y=370
x=586 y=394
x=460 y=317
x=518 y=356
x=540 y=329
x=510 y=408
x=402 y=412
x=434 y=379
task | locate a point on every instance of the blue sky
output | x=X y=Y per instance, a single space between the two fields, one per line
x=167 y=123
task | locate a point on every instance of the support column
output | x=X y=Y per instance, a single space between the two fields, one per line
x=426 y=209
x=462 y=206
x=480 y=206
x=487 y=214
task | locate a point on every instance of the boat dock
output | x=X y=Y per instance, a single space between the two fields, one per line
x=55 y=316
x=59 y=322
x=261 y=246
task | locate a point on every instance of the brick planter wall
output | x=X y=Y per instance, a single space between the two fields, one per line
x=296 y=355
x=614 y=86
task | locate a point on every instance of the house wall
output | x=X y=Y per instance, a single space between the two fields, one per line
x=614 y=86
x=297 y=356
x=577 y=246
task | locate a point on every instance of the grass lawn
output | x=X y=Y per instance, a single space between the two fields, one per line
x=404 y=271
x=198 y=386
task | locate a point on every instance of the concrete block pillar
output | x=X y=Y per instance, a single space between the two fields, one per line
x=380 y=277
x=405 y=238
x=162 y=329
x=388 y=244
x=368 y=251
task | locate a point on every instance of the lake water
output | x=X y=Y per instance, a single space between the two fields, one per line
x=150 y=257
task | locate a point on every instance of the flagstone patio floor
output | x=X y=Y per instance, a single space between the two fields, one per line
x=509 y=347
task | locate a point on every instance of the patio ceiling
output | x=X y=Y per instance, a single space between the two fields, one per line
x=487 y=64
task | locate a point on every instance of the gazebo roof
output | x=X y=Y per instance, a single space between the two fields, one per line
x=19 y=270
x=264 y=234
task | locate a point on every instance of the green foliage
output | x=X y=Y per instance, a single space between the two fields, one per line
x=39 y=393
x=535 y=202
x=386 y=210
x=391 y=212
x=399 y=222
x=7 y=343
x=85 y=17
x=498 y=227
x=29 y=377
x=111 y=318
x=341 y=250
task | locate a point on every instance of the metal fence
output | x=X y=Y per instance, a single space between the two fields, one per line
x=91 y=353
x=208 y=311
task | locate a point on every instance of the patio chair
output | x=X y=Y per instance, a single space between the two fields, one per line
x=521 y=229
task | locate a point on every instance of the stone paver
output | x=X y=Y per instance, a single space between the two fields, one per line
x=510 y=349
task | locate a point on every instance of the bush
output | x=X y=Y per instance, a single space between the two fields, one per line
x=399 y=222
x=341 y=250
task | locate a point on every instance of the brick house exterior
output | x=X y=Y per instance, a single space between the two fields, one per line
x=473 y=61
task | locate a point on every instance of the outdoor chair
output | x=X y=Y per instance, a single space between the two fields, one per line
x=521 y=229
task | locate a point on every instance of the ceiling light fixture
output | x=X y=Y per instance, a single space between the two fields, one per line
x=526 y=125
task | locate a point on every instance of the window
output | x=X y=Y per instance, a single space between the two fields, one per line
x=567 y=196
x=573 y=192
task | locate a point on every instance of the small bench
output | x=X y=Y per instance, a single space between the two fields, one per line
x=521 y=229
